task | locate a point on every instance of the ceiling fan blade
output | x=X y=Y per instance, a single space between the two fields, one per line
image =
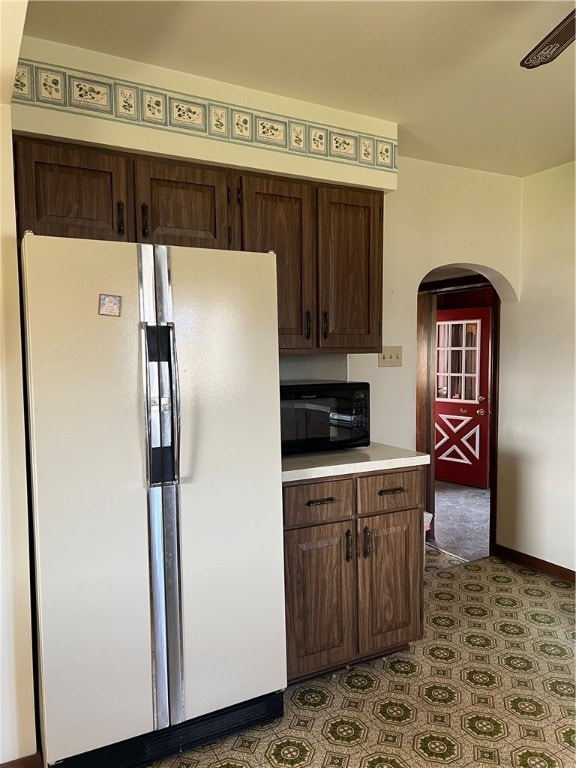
x=553 y=44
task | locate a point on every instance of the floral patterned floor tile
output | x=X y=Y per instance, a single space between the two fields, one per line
x=491 y=684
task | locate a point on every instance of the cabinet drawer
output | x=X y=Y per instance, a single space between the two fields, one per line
x=318 y=502
x=385 y=493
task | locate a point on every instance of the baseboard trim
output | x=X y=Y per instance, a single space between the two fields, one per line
x=535 y=563
x=32 y=761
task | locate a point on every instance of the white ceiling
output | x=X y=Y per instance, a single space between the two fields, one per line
x=447 y=72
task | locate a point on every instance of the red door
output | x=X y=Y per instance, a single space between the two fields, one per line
x=462 y=407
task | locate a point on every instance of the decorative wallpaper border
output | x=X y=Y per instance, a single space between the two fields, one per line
x=44 y=85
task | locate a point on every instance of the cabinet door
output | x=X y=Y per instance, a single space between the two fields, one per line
x=68 y=191
x=280 y=216
x=390 y=574
x=320 y=612
x=349 y=269
x=181 y=204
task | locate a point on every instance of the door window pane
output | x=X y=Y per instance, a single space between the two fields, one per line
x=442 y=387
x=457 y=362
x=456 y=387
x=471 y=334
x=470 y=388
x=471 y=360
x=456 y=339
x=443 y=335
x=442 y=361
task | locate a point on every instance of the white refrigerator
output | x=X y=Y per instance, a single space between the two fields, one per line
x=155 y=476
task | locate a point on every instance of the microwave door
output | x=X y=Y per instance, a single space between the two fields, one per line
x=312 y=420
x=341 y=421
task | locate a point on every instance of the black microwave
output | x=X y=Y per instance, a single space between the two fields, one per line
x=324 y=415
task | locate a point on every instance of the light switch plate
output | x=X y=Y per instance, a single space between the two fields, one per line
x=390 y=357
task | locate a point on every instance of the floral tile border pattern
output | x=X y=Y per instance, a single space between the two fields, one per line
x=45 y=85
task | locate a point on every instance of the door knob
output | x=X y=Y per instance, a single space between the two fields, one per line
x=481 y=399
x=481 y=411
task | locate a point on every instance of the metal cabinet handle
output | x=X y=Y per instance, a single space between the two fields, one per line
x=318 y=502
x=120 y=208
x=308 y=322
x=367 y=550
x=325 y=324
x=391 y=491
x=348 y=545
x=145 y=227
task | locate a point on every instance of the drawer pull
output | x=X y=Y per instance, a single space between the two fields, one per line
x=391 y=491
x=367 y=550
x=348 y=545
x=318 y=502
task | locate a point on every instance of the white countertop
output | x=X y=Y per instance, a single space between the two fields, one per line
x=374 y=457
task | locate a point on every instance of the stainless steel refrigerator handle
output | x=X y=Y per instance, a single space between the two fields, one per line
x=147 y=400
x=175 y=396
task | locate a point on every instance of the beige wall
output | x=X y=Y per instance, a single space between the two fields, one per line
x=440 y=215
x=520 y=234
x=537 y=383
x=17 y=733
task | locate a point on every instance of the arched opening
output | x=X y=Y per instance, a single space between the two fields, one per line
x=457 y=407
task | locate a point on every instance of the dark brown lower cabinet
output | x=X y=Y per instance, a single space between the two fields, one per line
x=353 y=580
x=320 y=599
x=389 y=581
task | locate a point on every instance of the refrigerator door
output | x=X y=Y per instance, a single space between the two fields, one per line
x=224 y=309
x=89 y=497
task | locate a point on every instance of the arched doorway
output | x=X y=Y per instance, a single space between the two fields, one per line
x=456 y=414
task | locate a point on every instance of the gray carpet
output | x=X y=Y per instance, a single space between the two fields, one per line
x=462 y=520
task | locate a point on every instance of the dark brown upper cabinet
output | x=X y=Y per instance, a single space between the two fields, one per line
x=327 y=239
x=349 y=269
x=328 y=242
x=181 y=204
x=68 y=191
x=280 y=216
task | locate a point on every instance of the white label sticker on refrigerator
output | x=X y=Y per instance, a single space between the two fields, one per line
x=109 y=304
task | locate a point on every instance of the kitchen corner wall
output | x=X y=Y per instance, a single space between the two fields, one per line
x=17 y=727
x=440 y=215
x=520 y=234
x=536 y=490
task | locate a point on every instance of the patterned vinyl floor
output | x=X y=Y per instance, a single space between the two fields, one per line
x=491 y=684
